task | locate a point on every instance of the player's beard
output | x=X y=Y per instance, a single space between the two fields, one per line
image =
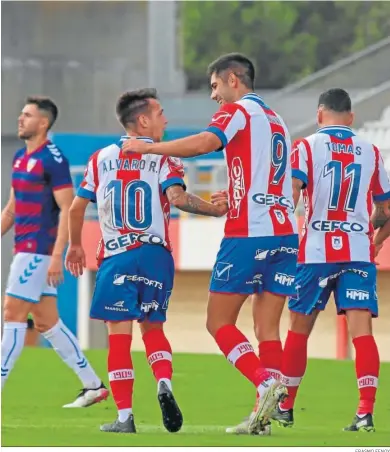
x=26 y=135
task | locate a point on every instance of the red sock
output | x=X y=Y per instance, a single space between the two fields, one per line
x=120 y=370
x=159 y=354
x=294 y=363
x=270 y=354
x=367 y=372
x=240 y=353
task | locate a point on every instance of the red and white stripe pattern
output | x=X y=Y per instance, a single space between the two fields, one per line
x=114 y=208
x=342 y=174
x=260 y=190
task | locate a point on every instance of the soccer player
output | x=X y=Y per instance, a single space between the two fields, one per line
x=135 y=279
x=341 y=176
x=40 y=199
x=259 y=251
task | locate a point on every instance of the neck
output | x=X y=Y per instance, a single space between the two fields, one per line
x=333 y=124
x=34 y=143
x=242 y=91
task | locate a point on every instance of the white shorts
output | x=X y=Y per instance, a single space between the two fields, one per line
x=27 y=279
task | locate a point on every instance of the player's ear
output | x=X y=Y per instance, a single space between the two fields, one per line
x=320 y=114
x=232 y=80
x=143 y=121
x=351 y=118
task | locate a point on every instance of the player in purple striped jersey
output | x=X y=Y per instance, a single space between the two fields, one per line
x=41 y=194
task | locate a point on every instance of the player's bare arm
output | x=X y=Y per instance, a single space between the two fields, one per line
x=8 y=214
x=193 y=204
x=202 y=143
x=381 y=214
x=297 y=187
x=63 y=198
x=75 y=256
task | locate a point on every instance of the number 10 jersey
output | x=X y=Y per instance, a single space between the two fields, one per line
x=130 y=194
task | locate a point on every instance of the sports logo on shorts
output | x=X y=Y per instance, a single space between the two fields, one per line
x=222 y=271
x=30 y=164
x=337 y=243
x=119 y=280
x=261 y=254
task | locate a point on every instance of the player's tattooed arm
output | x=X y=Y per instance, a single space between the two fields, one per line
x=8 y=214
x=381 y=214
x=297 y=187
x=193 y=204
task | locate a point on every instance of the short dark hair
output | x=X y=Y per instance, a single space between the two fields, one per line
x=132 y=103
x=46 y=105
x=336 y=99
x=239 y=64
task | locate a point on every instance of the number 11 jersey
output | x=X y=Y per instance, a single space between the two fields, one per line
x=130 y=194
x=342 y=174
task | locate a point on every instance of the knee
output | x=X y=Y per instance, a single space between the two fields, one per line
x=301 y=324
x=267 y=332
x=211 y=326
x=12 y=314
x=42 y=324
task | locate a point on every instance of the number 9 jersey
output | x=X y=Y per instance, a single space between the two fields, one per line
x=257 y=148
x=130 y=194
x=343 y=175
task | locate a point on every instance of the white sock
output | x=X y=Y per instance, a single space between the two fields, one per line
x=67 y=347
x=166 y=381
x=11 y=347
x=124 y=414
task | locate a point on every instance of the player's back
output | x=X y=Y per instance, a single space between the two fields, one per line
x=130 y=195
x=259 y=171
x=344 y=174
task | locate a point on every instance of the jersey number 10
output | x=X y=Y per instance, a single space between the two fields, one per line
x=131 y=208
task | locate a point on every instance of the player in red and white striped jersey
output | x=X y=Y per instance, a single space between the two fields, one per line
x=135 y=279
x=342 y=176
x=259 y=251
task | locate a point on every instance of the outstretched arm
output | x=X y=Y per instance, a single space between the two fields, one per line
x=202 y=143
x=190 y=203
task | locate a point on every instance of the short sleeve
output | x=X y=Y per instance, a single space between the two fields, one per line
x=171 y=173
x=58 y=169
x=299 y=162
x=89 y=184
x=226 y=122
x=381 y=183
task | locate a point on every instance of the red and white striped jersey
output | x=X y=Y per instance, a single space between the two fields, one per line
x=257 y=149
x=130 y=194
x=342 y=174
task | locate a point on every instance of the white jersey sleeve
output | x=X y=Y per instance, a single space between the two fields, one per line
x=171 y=173
x=90 y=182
x=381 y=183
x=300 y=161
x=226 y=122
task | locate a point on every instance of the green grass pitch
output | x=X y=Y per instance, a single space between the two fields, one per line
x=211 y=393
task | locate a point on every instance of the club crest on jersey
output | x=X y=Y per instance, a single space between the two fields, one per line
x=280 y=216
x=17 y=163
x=337 y=243
x=30 y=164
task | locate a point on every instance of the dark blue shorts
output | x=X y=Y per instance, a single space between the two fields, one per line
x=255 y=264
x=134 y=285
x=353 y=285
